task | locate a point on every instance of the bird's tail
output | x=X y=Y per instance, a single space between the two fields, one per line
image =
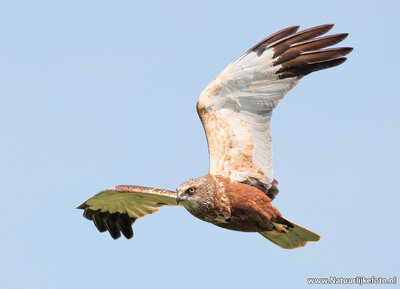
x=288 y=235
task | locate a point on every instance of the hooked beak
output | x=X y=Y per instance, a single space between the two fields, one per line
x=178 y=198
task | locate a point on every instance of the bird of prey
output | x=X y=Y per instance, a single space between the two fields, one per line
x=235 y=110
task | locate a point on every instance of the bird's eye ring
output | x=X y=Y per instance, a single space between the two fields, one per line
x=191 y=190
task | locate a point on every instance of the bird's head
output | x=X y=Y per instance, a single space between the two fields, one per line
x=195 y=193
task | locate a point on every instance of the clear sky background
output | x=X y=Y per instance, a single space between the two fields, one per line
x=100 y=93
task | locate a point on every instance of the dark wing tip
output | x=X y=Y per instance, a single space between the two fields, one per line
x=300 y=36
x=301 y=53
x=318 y=43
x=343 y=36
x=328 y=25
x=125 y=225
x=323 y=27
x=283 y=39
x=112 y=226
x=260 y=47
x=99 y=221
x=301 y=71
x=114 y=223
x=347 y=49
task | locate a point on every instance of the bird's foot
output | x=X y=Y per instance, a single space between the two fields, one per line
x=280 y=228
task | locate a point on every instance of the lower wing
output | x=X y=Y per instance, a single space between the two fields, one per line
x=116 y=209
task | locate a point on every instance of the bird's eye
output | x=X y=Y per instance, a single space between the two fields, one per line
x=191 y=190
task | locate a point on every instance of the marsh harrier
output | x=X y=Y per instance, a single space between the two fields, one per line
x=235 y=109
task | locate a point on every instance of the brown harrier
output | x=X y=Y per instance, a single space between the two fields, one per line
x=235 y=109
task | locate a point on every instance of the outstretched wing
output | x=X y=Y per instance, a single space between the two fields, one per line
x=116 y=209
x=236 y=107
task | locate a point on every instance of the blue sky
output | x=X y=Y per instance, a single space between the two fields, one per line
x=100 y=93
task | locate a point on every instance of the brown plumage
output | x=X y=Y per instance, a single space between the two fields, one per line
x=235 y=110
x=251 y=209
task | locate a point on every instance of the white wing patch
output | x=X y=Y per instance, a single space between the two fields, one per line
x=236 y=110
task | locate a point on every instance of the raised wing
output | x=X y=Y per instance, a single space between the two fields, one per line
x=116 y=209
x=236 y=107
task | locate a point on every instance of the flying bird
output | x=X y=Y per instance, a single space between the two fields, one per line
x=235 y=110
